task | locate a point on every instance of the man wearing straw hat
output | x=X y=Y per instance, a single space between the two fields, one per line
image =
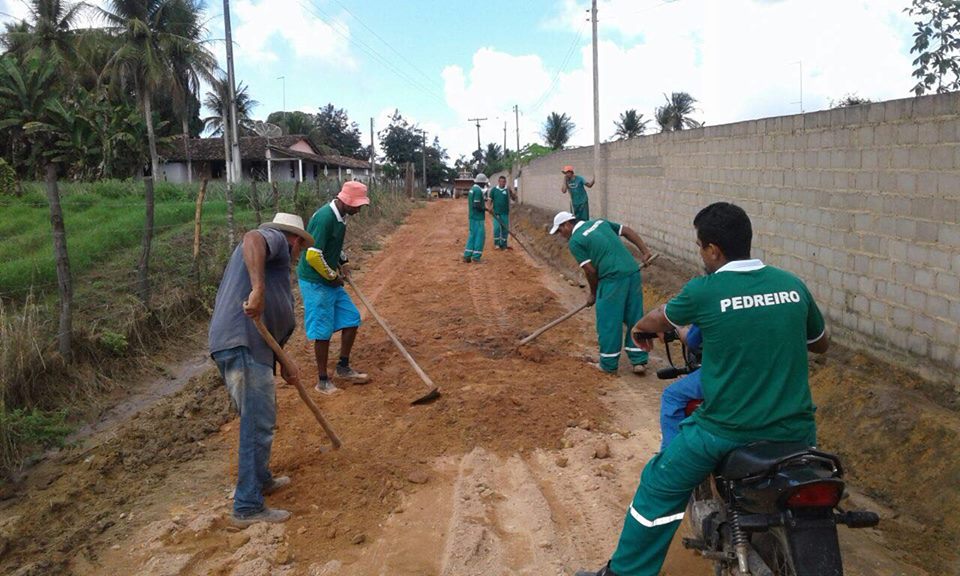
x=327 y=308
x=577 y=187
x=256 y=284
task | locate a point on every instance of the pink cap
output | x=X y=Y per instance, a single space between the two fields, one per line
x=353 y=194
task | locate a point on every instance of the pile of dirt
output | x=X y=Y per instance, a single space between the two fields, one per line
x=66 y=505
x=900 y=448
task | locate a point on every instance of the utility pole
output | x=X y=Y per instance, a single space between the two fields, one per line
x=504 y=138
x=424 y=149
x=283 y=80
x=237 y=175
x=596 y=109
x=478 y=121
x=516 y=116
x=373 y=153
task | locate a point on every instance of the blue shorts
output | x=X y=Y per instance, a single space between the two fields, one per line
x=326 y=309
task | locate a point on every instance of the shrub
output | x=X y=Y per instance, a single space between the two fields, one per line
x=8 y=179
x=114 y=343
x=23 y=431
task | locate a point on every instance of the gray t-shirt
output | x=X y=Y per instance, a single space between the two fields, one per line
x=230 y=327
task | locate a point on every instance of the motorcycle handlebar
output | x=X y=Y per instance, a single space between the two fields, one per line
x=672 y=372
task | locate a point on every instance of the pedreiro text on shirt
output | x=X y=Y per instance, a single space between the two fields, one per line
x=757 y=300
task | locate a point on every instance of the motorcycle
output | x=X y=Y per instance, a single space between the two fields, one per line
x=769 y=508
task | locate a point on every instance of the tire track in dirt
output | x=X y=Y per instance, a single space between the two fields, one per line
x=524 y=466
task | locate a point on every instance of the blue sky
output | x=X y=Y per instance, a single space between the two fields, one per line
x=442 y=62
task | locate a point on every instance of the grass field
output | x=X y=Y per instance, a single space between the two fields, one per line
x=104 y=226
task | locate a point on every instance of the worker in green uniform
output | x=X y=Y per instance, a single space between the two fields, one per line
x=327 y=308
x=757 y=323
x=500 y=197
x=614 y=279
x=476 y=204
x=577 y=187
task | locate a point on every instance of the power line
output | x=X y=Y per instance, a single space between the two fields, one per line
x=388 y=45
x=318 y=13
x=563 y=66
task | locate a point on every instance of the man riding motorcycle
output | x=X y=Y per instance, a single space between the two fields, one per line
x=757 y=322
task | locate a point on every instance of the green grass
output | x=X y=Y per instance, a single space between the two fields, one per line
x=104 y=226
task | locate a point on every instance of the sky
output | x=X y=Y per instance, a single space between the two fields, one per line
x=443 y=62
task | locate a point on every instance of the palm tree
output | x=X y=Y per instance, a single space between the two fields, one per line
x=557 y=130
x=48 y=32
x=675 y=114
x=217 y=100
x=149 y=37
x=630 y=125
x=26 y=88
x=191 y=62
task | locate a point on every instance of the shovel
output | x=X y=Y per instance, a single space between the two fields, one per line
x=285 y=361
x=434 y=392
x=509 y=231
x=536 y=334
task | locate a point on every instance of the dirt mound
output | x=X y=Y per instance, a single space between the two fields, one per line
x=80 y=497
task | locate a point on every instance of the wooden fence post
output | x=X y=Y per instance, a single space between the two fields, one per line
x=64 y=284
x=228 y=193
x=144 y=267
x=276 y=198
x=255 y=200
x=196 y=231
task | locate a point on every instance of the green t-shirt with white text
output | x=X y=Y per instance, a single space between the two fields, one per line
x=598 y=242
x=756 y=322
x=475 y=203
x=501 y=200
x=578 y=191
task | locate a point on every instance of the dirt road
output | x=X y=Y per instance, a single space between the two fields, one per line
x=524 y=466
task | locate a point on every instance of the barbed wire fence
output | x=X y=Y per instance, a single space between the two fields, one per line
x=123 y=298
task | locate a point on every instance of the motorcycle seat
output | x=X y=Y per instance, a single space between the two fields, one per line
x=758 y=458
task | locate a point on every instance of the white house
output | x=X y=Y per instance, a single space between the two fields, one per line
x=284 y=159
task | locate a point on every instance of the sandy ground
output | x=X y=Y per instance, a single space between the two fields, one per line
x=524 y=466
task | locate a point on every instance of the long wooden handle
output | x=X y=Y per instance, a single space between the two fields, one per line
x=563 y=318
x=396 y=341
x=510 y=232
x=285 y=361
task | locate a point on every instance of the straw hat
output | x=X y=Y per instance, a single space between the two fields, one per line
x=289 y=223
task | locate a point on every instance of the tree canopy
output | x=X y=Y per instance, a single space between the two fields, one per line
x=936 y=42
x=557 y=130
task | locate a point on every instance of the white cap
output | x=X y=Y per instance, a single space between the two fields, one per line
x=481 y=178
x=559 y=219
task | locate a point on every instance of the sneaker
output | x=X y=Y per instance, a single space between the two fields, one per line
x=277 y=483
x=467 y=259
x=271 y=515
x=326 y=387
x=348 y=374
x=639 y=369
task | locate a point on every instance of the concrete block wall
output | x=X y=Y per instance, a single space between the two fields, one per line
x=863 y=203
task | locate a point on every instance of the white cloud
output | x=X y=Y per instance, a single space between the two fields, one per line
x=13 y=10
x=258 y=25
x=739 y=58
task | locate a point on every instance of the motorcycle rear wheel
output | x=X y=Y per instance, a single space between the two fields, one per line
x=775 y=551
